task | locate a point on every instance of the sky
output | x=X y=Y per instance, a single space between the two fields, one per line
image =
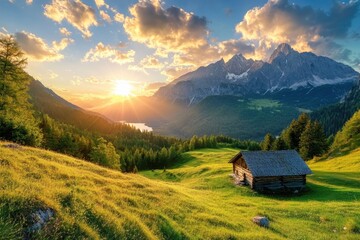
x=86 y=50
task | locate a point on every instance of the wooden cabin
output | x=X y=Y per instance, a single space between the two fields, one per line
x=271 y=171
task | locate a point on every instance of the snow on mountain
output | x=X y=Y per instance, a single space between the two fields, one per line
x=285 y=69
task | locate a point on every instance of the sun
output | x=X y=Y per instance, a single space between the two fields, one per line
x=123 y=89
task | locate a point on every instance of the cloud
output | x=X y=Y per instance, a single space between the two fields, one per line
x=175 y=72
x=113 y=54
x=177 y=32
x=105 y=16
x=53 y=75
x=155 y=85
x=151 y=88
x=100 y=3
x=304 y=28
x=35 y=47
x=29 y=2
x=64 y=31
x=119 y=17
x=78 y=14
x=171 y=28
x=236 y=46
x=62 y=44
x=136 y=68
x=151 y=62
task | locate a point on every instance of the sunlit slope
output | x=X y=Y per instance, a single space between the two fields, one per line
x=346 y=163
x=195 y=200
x=93 y=202
x=327 y=210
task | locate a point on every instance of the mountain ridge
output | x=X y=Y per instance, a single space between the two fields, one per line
x=285 y=69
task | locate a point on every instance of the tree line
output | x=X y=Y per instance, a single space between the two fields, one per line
x=304 y=135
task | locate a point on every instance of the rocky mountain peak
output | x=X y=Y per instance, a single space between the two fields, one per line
x=283 y=49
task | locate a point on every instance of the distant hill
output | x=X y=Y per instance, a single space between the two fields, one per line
x=47 y=101
x=333 y=117
x=286 y=72
x=237 y=117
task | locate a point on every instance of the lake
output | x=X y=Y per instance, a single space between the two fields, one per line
x=141 y=126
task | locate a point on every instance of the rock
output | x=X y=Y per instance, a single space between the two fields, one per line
x=261 y=221
x=13 y=146
x=40 y=218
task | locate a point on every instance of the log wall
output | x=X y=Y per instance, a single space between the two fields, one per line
x=270 y=184
x=284 y=183
x=244 y=175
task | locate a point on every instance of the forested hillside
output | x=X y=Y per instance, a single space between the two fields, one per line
x=334 y=117
x=348 y=138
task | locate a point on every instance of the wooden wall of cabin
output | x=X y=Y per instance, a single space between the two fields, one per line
x=279 y=183
x=242 y=173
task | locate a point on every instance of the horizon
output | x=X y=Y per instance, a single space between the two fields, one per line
x=87 y=51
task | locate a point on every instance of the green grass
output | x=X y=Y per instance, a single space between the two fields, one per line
x=195 y=199
x=259 y=104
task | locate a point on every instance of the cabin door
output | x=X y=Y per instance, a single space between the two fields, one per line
x=244 y=178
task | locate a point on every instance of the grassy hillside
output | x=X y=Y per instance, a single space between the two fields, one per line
x=194 y=200
x=348 y=138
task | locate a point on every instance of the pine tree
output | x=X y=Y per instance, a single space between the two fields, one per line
x=306 y=140
x=312 y=141
x=292 y=134
x=279 y=144
x=17 y=121
x=266 y=145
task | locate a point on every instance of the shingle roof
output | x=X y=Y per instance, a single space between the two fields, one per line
x=274 y=163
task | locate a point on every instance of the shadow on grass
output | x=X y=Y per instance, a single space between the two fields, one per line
x=327 y=186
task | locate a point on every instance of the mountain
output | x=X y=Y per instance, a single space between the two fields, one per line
x=285 y=73
x=333 y=117
x=47 y=101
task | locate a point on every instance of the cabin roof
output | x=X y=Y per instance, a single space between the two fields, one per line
x=273 y=163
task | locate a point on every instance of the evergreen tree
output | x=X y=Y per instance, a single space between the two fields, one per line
x=17 y=121
x=279 y=144
x=266 y=145
x=104 y=154
x=292 y=134
x=312 y=141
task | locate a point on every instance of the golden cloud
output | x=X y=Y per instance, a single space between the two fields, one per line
x=113 y=54
x=100 y=3
x=105 y=16
x=305 y=28
x=174 y=31
x=175 y=72
x=62 y=44
x=64 y=31
x=119 y=17
x=151 y=62
x=78 y=14
x=36 y=49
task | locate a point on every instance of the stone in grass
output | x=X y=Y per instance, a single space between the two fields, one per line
x=40 y=218
x=261 y=221
x=13 y=146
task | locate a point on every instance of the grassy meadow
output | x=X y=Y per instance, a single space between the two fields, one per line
x=196 y=199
